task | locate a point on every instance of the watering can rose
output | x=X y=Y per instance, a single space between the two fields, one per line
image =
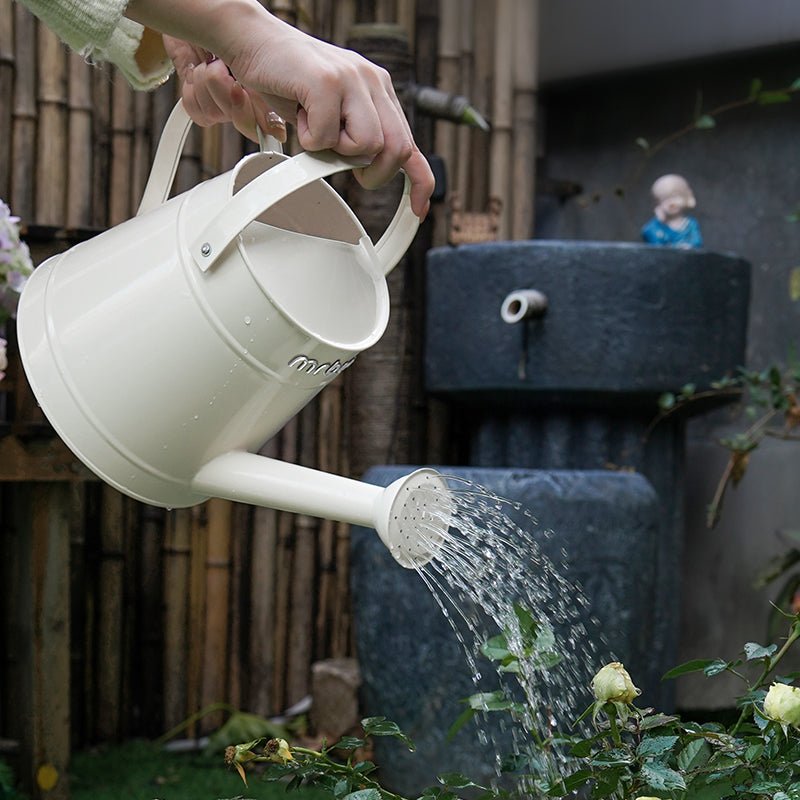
x=782 y=704
x=613 y=683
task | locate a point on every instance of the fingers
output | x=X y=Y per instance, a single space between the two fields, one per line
x=361 y=117
x=211 y=95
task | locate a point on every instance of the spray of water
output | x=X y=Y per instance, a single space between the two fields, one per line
x=491 y=575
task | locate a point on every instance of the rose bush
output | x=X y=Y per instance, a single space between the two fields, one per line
x=628 y=753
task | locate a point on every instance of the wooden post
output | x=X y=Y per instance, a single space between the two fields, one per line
x=121 y=152
x=79 y=168
x=39 y=635
x=500 y=157
x=6 y=93
x=52 y=152
x=23 y=149
x=218 y=581
x=110 y=614
x=197 y=610
x=526 y=67
x=481 y=97
x=177 y=550
x=449 y=80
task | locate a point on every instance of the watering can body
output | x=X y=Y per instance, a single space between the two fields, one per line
x=168 y=349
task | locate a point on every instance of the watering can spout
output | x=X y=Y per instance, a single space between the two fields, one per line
x=411 y=515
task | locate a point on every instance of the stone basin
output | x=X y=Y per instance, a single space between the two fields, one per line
x=623 y=322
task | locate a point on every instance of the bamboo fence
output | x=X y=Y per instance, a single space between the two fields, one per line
x=165 y=612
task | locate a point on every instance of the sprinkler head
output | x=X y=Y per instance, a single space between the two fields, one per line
x=412 y=516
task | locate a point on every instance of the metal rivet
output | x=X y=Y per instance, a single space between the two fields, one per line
x=205 y=249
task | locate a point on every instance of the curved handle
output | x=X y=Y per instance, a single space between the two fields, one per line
x=280 y=181
x=165 y=163
x=397 y=238
x=168 y=156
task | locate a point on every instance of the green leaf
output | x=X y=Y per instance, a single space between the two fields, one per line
x=349 y=743
x=363 y=794
x=694 y=755
x=463 y=718
x=612 y=758
x=695 y=665
x=380 y=726
x=755 y=651
x=660 y=776
x=756 y=85
x=705 y=122
x=490 y=701
x=655 y=745
x=715 y=667
x=496 y=648
x=455 y=780
x=570 y=784
x=718 y=790
x=773 y=98
x=656 y=721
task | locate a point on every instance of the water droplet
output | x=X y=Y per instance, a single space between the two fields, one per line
x=247 y=320
x=196 y=416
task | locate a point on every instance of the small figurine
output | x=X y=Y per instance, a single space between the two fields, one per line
x=672 y=226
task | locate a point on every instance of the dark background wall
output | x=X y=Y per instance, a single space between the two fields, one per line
x=745 y=173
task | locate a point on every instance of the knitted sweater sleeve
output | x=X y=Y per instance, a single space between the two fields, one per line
x=99 y=31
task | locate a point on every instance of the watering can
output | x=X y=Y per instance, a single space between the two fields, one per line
x=168 y=349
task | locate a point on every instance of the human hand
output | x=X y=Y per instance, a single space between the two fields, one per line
x=211 y=94
x=337 y=99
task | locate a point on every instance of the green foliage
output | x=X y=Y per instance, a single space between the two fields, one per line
x=627 y=753
x=8 y=786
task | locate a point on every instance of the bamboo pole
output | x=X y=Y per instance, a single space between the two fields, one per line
x=52 y=153
x=23 y=148
x=241 y=530
x=197 y=610
x=481 y=97
x=406 y=16
x=42 y=629
x=526 y=67
x=284 y=566
x=500 y=155
x=7 y=62
x=449 y=81
x=142 y=136
x=121 y=152
x=343 y=20
x=261 y=661
x=301 y=642
x=78 y=579
x=79 y=184
x=176 y=559
x=218 y=584
x=385 y=10
x=101 y=92
x=110 y=614
x=146 y=531
x=464 y=166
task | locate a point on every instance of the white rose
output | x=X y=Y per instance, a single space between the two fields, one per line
x=612 y=682
x=782 y=704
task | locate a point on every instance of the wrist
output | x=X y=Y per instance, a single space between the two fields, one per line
x=214 y=25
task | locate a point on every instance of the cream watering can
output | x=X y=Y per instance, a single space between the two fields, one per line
x=168 y=349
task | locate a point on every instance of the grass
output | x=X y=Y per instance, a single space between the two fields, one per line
x=141 y=770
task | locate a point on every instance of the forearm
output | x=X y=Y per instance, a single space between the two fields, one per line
x=215 y=25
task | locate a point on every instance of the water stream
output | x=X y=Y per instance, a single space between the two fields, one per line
x=491 y=576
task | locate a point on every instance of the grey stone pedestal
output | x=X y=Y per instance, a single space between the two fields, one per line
x=412 y=667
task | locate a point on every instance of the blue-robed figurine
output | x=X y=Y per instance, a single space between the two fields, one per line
x=672 y=226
